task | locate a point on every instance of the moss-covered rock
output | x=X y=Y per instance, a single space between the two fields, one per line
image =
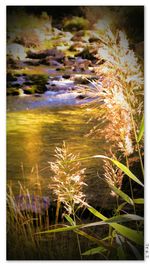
x=39 y=82
x=75 y=24
x=86 y=54
x=12 y=91
x=29 y=90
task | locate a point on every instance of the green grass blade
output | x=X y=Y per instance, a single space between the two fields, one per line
x=131 y=234
x=120 y=207
x=61 y=229
x=141 y=132
x=97 y=213
x=95 y=240
x=120 y=250
x=121 y=254
x=124 y=218
x=116 y=219
x=69 y=219
x=122 y=167
x=127 y=171
x=135 y=251
x=138 y=201
x=93 y=251
x=121 y=194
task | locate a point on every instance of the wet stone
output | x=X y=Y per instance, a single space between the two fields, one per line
x=66 y=76
x=44 y=53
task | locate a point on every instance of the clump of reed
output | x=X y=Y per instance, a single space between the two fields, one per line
x=23 y=242
x=20 y=228
x=118 y=97
x=120 y=92
x=67 y=183
x=68 y=179
x=122 y=241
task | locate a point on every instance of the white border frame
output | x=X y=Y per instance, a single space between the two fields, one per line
x=3 y=5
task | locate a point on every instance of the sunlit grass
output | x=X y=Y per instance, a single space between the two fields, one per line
x=120 y=95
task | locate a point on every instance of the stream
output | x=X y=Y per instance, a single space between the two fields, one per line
x=35 y=126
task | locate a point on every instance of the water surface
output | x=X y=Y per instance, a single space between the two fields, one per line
x=35 y=128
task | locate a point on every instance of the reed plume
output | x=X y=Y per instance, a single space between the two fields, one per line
x=119 y=94
x=113 y=176
x=67 y=181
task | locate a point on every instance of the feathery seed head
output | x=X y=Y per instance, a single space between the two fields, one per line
x=67 y=181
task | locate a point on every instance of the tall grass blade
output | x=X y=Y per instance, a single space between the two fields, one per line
x=124 y=218
x=97 y=213
x=95 y=240
x=120 y=207
x=61 y=229
x=120 y=250
x=127 y=171
x=121 y=194
x=122 y=167
x=131 y=234
x=69 y=219
x=135 y=251
x=118 y=219
x=93 y=251
x=115 y=219
x=76 y=229
x=138 y=201
x=120 y=253
x=141 y=132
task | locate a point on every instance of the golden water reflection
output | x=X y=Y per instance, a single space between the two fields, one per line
x=32 y=136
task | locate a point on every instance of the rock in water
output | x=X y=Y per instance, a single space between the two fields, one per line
x=16 y=51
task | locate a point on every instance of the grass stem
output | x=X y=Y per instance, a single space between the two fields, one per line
x=78 y=241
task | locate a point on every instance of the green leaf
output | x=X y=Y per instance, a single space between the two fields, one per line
x=120 y=250
x=120 y=207
x=131 y=234
x=93 y=251
x=138 y=201
x=127 y=171
x=141 y=132
x=97 y=213
x=135 y=251
x=122 y=167
x=95 y=240
x=124 y=218
x=121 y=194
x=69 y=219
x=116 y=219
x=61 y=229
x=135 y=236
x=121 y=254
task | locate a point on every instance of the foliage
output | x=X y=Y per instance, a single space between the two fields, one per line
x=75 y=23
x=120 y=92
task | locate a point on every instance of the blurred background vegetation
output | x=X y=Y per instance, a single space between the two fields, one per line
x=131 y=18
